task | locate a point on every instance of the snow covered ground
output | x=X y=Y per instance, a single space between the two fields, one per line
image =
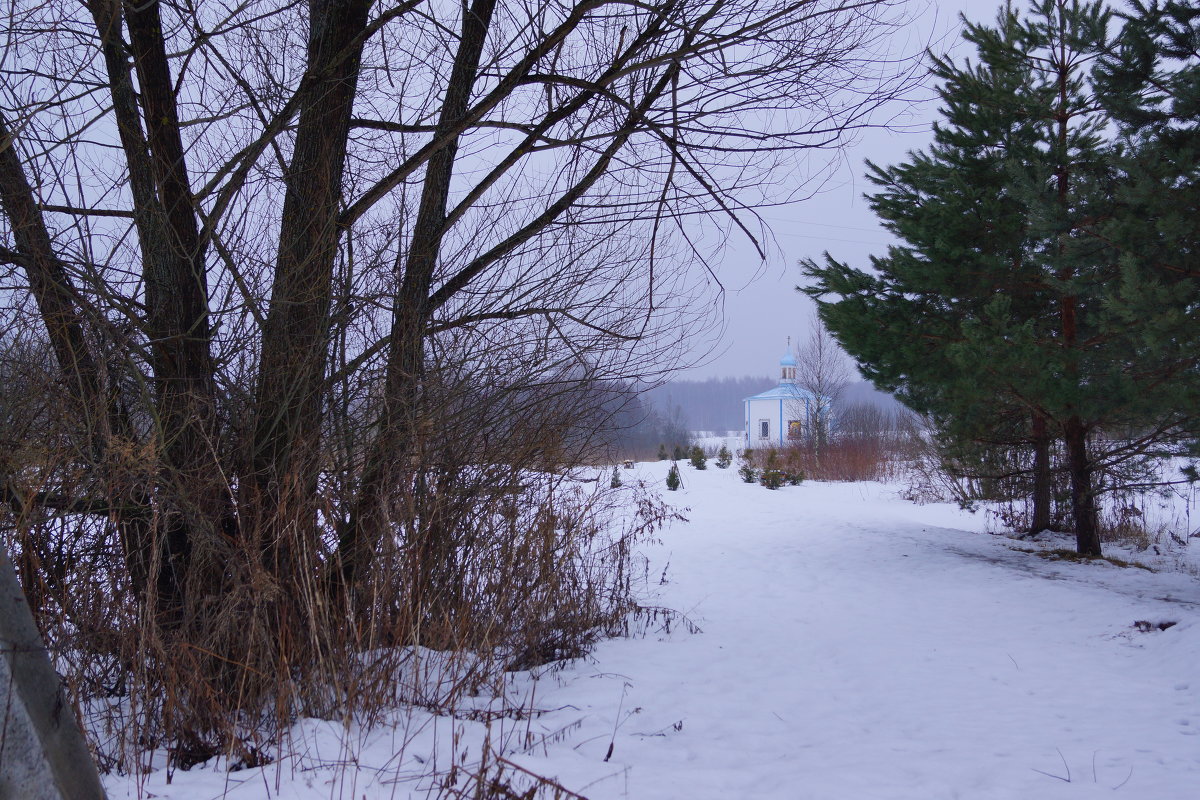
x=830 y=641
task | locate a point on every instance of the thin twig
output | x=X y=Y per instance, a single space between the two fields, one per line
x=1057 y=777
x=616 y=721
x=542 y=778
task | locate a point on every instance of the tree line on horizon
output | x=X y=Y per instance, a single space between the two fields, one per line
x=715 y=404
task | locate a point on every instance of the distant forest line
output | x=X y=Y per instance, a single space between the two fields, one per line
x=715 y=404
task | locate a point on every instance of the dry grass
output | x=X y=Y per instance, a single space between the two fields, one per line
x=1063 y=554
x=842 y=458
x=536 y=562
x=538 y=578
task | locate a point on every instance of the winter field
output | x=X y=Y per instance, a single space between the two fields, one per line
x=823 y=641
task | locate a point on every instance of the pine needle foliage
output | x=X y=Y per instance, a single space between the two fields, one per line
x=1035 y=291
x=673 y=479
x=724 y=458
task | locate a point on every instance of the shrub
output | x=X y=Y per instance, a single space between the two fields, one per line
x=677 y=454
x=724 y=458
x=662 y=452
x=673 y=479
x=772 y=478
x=747 y=473
x=772 y=475
x=697 y=457
x=615 y=482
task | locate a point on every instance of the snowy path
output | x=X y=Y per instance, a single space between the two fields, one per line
x=853 y=646
x=852 y=650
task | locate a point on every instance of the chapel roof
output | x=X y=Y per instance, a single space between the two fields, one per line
x=784 y=391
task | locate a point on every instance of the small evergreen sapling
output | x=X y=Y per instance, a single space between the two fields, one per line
x=615 y=483
x=677 y=454
x=746 y=469
x=697 y=457
x=662 y=452
x=724 y=458
x=673 y=479
x=772 y=476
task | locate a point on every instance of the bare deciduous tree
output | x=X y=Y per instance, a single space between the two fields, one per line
x=264 y=240
x=823 y=369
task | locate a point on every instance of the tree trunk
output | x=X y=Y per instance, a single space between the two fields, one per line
x=199 y=505
x=100 y=414
x=393 y=443
x=414 y=303
x=51 y=288
x=1083 y=500
x=1041 y=476
x=278 y=496
x=1083 y=504
x=194 y=503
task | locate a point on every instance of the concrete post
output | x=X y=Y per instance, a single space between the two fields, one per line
x=43 y=755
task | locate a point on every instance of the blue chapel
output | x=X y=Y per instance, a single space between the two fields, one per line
x=781 y=414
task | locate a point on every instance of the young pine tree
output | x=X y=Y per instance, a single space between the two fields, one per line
x=673 y=479
x=724 y=458
x=772 y=475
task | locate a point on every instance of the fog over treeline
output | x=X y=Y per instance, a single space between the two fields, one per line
x=715 y=404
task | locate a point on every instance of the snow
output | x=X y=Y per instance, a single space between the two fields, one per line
x=825 y=641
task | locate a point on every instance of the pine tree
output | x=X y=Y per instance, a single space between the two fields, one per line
x=966 y=259
x=772 y=477
x=697 y=457
x=747 y=470
x=1151 y=87
x=1008 y=300
x=724 y=458
x=615 y=481
x=673 y=479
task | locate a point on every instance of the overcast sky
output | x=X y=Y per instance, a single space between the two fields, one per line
x=762 y=312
